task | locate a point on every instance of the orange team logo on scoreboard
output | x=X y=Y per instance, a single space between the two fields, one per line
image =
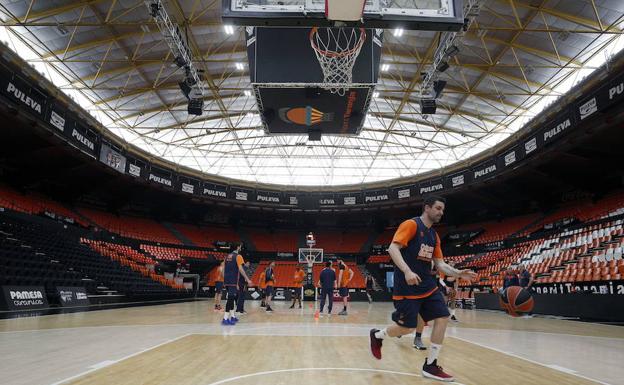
x=306 y=116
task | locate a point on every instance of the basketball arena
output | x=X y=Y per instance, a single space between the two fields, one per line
x=304 y=192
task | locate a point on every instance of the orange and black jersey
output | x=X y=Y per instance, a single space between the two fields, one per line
x=420 y=245
x=230 y=269
x=299 y=277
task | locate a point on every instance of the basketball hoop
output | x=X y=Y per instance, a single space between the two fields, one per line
x=310 y=259
x=336 y=50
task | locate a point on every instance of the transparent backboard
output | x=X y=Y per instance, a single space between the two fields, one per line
x=440 y=15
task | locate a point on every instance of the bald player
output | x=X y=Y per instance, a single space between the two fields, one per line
x=416 y=251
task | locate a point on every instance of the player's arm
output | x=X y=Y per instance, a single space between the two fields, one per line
x=351 y=274
x=340 y=277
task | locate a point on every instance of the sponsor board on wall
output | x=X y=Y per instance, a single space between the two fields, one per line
x=485 y=170
x=376 y=196
x=557 y=129
x=24 y=297
x=596 y=287
x=24 y=95
x=112 y=158
x=72 y=296
x=160 y=177
x=214 y=191
x=268 y=197
x=82 y=137
x=430 y=187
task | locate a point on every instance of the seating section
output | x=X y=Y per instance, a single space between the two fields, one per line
x=35 y=204
x=176 y=253
x=337 y=241
x=131 y=227
x=278 y=240
x=206 y=236
x=36 y=251
x=285 y=272
x=590 y=253
x=496 y=231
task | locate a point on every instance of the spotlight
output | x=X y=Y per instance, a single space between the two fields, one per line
x=385 y=67
x=452 y=51
x=428 y=106
x=228 y=29
x=179 y=61
x=154 y=8
x=443 y=66
x=195 y=107
x=438 y=86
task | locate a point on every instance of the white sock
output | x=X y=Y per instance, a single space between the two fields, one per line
x=226 y=315
x=381 y=334
x=434 y=350
x=453 y=312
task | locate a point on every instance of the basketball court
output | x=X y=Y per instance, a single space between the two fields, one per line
x=131 y=346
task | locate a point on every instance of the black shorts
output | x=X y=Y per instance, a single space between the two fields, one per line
x=231 y=292
x=429 y=308
x=344 y=291
x=268 y=291
x=218 y=287
x=297 y=292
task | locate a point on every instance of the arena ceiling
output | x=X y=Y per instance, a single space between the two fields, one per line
x=517 y=58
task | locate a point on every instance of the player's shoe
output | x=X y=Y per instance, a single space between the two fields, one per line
x=269 y=310
x=227 y=322
x=375 y=344
x=234 y=320
x=344 y=312
x=453 y=318
x=434 y=371
x=418 y=344
x=292 y=306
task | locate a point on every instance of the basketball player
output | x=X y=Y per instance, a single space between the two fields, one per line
x=345 y=276
x=327 y=282
x=369 y=287
x=450 y=286
x=511 y=278
x=269 y=279
x=299 y=278
x=218 y=287
x=415 y=250
x=242 y=288
x=262 y=287
x=233 y=267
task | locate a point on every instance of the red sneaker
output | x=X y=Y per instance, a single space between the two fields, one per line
x=434 y=371
x=375 y=344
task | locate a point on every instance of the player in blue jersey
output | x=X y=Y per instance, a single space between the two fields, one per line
x=232 y=270
x=416 y=253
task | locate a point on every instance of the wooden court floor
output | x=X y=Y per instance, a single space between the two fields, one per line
x=184 y=344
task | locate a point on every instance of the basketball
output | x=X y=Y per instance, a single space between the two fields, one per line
x=516 y=301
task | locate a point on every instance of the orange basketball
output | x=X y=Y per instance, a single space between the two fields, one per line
x=516 y=301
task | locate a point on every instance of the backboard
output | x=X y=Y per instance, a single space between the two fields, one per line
x=432 y=15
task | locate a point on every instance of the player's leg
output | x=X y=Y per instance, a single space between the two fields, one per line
x=240 y=301
x=269 y=296
x=434 y=309
x=330 y=300
x=323 y=294
x=218 y=293
x=418 y=343
x=299 y=295
x=451 y=303
x=228 y=314
x=368 y=294
x=294 y=299
x=262 y=297
x=405 y=317
x=344 y=293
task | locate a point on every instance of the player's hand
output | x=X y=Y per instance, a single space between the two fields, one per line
x=467 y=275
x=249 y=282
x=412 y=278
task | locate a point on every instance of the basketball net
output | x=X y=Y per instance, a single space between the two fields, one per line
x=336 y=50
